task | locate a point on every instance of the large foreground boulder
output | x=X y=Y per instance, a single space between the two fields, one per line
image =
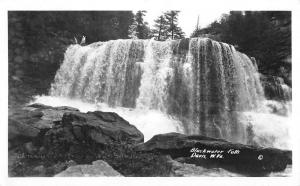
x=52 y=124
x=98 y=168
x=26 y=124
x=211 y=153
x=93 y=127
x=44 y=138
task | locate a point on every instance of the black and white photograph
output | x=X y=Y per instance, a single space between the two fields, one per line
x=150 y=93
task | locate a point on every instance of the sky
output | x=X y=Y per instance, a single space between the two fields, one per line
x=187 y=19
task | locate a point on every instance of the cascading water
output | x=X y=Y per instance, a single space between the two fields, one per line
x=193 y=86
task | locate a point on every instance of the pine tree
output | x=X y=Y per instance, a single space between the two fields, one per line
x=173 y=31
x=160 y=28
x=166 y=26
x=139 y=28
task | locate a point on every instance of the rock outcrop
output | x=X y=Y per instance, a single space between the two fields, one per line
x=98 y=127
x=66 y=123
x=102 y=128
x=191 y=170
x=98 y=168
x=275 y=88
x=27 y=123
x=209 y=152
x=43 y=137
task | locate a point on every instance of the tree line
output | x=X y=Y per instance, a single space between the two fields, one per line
x=165 y=27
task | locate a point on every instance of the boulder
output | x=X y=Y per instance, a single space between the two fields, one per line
x=30 y=148
x=49 y=115
x=26 y=124
x=191 y=170
x=275 y=88
x=20 y=129
x=98 y=168
x=38 y=105
x=39 y=171
x=17 y=128
x=49 y=135
x=212 y=153
x=42 y=106
x=93 y=127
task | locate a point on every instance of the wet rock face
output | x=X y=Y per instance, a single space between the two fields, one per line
x=66 y=123
x=231 y=156
x=63 y=133
x=98 y=168
x=275 y=88
x=18 y=128
x=44 y=138
x=43 y=127
x=94 y=127
x=26 y=124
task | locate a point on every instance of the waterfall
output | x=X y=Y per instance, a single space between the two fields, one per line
x=102 y=72
x=202 y=84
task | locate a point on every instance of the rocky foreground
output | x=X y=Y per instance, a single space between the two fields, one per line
x=61 y=141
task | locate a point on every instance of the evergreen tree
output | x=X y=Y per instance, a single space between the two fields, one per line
x=173 y=30
x=166 y=26
x=139 y=28
x=160 y=28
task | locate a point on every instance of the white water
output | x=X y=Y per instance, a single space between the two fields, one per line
x=270 y=130
x=149 y=122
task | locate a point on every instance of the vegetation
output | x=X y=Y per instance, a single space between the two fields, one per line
x=139 y=28
x=166 y=27
x=129 y=162
x=160 y=27
x=265 y=35
x=121 y=157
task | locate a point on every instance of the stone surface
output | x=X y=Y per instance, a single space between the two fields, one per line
x=27 y=123
x=99 y=168
x=191 y=170
x=39 y=170
x=64 y=130
x=61 y=134
x=275 y=88
x=12 y=159
x=49 y=115
x=30 y=148
x=20 y=129
x=94 y=127
x=249 y=160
